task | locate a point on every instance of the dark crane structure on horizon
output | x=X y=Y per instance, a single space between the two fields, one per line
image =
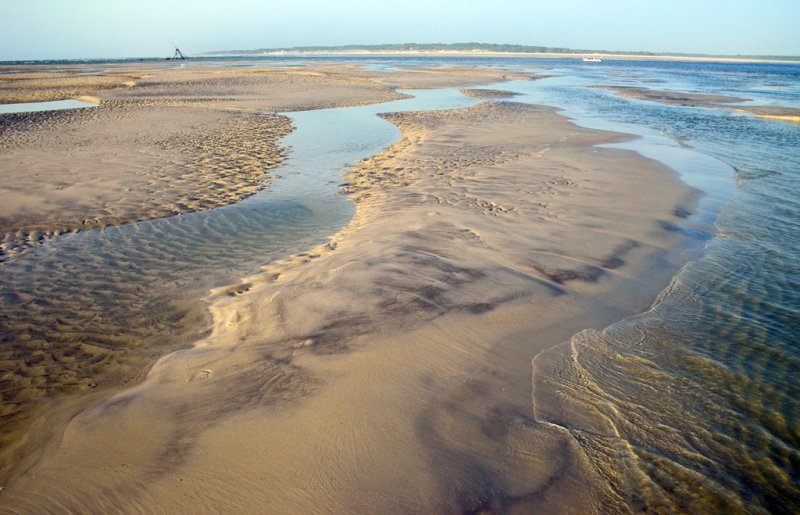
x=178 y=54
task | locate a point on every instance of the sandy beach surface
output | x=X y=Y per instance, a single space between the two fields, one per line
x=163 y=142
x=172 y=142
x=391 y=368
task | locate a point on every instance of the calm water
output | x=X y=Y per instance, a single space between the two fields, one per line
x=700 y=394
x=30 y=107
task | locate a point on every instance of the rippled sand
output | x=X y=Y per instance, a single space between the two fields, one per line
x=83 y=316
x=127 y=161
x=44 y=83
x=391 y=368
x=173 y=142
x=488 y=94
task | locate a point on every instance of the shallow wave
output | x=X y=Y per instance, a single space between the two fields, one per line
x=688 y=406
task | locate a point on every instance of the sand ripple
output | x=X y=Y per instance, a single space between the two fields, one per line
x=198 y=161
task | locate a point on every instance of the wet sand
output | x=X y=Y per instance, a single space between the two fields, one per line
x=677 y=98
x=390 y=369
x=686 y=99
x=784 y=114
x=174 y=142
x=20 y=84
x=489 y=94
x=163 y=142
x=74 y=170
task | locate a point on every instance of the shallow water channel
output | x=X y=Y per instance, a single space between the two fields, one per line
x=55 y=105
x=100 y=305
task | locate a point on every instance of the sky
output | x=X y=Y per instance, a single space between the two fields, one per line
x=75 y=29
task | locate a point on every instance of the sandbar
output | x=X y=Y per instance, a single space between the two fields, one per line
x=688 y=99
x=390 y=369
x=489 y=94
x=678 y=98
x=173 y=142
x=784 y=114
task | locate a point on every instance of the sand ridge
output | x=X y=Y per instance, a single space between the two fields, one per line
x=489 y=94
x=678 y=98
x=784 y=114
x=31 y=84
x=390 y=369
x=687 y=99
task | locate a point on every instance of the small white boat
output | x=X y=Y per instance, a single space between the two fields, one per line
x=592 y=59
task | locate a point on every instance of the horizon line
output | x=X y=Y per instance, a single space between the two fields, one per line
x=511 y=48
x=457 y=48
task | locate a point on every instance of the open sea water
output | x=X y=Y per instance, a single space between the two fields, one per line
x=698 y=397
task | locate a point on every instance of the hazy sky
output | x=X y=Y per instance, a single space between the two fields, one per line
x=60 y=29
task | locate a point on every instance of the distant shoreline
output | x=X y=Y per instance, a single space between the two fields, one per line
x=416 y=53
x=482 y=53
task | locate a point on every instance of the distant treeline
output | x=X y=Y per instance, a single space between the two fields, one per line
x=484 y=47
x=410 y=47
